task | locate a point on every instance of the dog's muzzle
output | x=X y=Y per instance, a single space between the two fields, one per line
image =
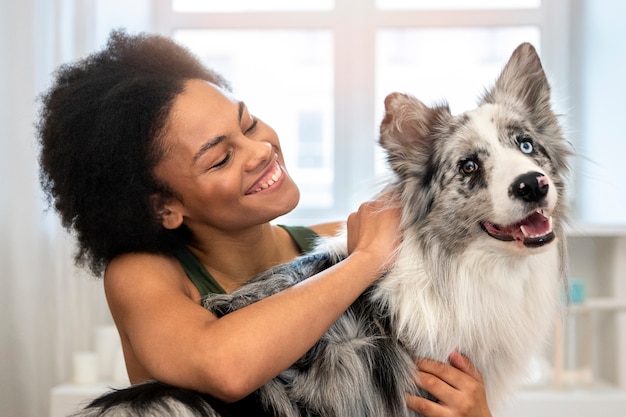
x=533 y=231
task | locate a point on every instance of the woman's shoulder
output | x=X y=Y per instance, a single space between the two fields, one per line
x=328 y=229
x=137 y=261
x=133 y=271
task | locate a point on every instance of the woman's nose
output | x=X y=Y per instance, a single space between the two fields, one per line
x=259 y=153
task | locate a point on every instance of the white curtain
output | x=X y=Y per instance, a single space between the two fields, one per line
x=48 y=308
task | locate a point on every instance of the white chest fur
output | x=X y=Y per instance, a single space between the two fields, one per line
x=496 y=308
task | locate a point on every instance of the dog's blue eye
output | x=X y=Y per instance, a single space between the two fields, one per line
x=526 y=146
x=469 y=167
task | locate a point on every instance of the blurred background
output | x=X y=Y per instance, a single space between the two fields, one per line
x=317 y=71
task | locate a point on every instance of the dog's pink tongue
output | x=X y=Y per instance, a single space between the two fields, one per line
x=532 y=227
x=536 y=224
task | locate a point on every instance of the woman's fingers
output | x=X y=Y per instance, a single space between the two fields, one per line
x=374 y=229
x=441 y=371
x=425 y=406
x=462 y=363
x=457 y=386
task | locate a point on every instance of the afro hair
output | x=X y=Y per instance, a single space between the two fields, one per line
x=100 y=131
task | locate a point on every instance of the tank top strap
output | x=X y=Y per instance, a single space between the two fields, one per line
x=205 y=282
x=197 y=273
x=304 y=237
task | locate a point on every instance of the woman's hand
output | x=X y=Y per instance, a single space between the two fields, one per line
x=458 y=387
x=374 y=229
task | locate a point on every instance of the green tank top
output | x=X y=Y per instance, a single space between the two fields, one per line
x=205 y=283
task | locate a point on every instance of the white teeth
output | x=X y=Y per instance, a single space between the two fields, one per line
x=275 y=176
x=525 y=232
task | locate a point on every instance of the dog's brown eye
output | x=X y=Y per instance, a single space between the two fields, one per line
x=469 y=167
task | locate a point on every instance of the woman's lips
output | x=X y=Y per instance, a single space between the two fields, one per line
x=270 y=178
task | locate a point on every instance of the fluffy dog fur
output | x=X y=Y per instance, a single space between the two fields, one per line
x=479 y=269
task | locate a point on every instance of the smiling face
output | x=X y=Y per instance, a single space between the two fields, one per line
x=225 y=166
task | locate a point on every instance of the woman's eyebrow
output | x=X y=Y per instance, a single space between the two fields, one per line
x=206 y=147
x=216 y=141
x=242 y=106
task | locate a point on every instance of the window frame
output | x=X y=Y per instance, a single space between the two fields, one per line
x=354 y=24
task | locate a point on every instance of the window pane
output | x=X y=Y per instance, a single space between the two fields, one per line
x=458 y=4
x=249 y=5
x=443 y=64
x=286 y=79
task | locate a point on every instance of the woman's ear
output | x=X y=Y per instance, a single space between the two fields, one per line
x=169 y=212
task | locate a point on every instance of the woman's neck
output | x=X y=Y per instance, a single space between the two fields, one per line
x=234 y=258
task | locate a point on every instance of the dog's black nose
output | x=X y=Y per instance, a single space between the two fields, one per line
x=531 y=187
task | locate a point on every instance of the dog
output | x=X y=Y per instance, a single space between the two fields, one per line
x=480 y=268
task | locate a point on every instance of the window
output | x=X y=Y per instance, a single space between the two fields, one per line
x=318 y=71
x=216 y=6
x=451 y=64
x=457 y=4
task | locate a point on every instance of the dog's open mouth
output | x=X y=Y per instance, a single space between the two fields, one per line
x=533 y=231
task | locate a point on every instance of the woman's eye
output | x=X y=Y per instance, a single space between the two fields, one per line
x=469 y=167
x=222 y=162
x=252 y=127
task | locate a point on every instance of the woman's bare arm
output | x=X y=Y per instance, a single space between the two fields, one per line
x=179 y=342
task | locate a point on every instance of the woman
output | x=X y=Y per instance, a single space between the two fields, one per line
x=170 y=184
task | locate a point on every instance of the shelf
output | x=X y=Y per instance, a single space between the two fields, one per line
x=574 y=229
x=598 y=304
x=597 y=400
x=69 y=398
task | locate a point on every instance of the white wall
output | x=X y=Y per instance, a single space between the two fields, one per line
x=600 y=110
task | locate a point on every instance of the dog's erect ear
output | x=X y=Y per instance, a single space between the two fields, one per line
x=407 y=123
x=407 y=134
x=524 y=79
